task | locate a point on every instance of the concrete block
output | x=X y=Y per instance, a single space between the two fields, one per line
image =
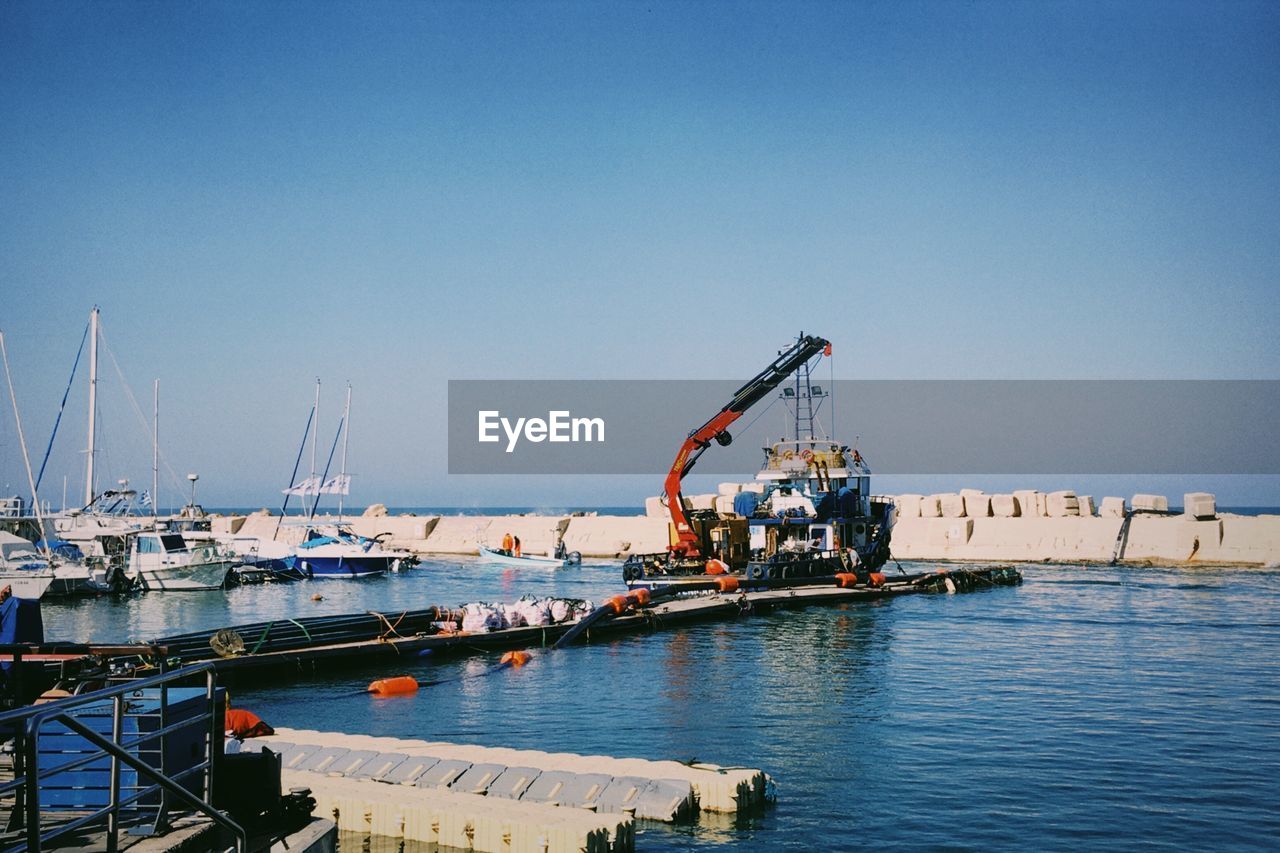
x=1154 y=538
x=943 y=533
x=1198 y=540
x=1062 y=504
x=724 y=504
x=616 y=536
x=758 y=488
x=1086 y=505
x=729 y=488
x=1251 y=539
x=1151 y=502
x=976 y=504
x=655 y=508
x=702 y=502
x=1112 y=508
x=1201 y=505
x=908 y=506
x=930 y=506
x=952 y=505
x=1004 y=506
x=228 y=524
x=964 y=493
x=1028 y=506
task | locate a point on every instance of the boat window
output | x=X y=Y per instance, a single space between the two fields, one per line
x=148 y=545
x=173 y=542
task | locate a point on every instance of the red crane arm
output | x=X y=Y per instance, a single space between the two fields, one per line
x=717 y=428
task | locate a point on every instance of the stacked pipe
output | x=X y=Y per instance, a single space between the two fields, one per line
x=289 y=634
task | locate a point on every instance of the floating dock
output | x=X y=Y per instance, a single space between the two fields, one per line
x=397 y=635
x=495 y=799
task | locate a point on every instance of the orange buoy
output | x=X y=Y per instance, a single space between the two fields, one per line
x=877 y=579
x=639 y=597
x=515 y=658
x=619 y=603
x=846 y=579
x=317 y=597
x=728 y=583
x=717 y=567
x=397 y=686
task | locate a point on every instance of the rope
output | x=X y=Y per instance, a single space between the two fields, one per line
x=391 y=629
x=137 y=410
x=262 y=639
x=63 y=407
x=302 y=628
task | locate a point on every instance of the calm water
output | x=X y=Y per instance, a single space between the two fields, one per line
x=1088 y=707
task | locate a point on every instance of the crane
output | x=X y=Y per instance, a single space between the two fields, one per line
x=787 y=362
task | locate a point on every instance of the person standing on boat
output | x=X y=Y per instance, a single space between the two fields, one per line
x=507 y=543
x=515 y=546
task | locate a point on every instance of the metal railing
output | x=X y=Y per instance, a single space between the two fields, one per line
x=27 y=723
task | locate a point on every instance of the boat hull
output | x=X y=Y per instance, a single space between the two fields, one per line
x=321 y=567
x=27 y=585
x=491 y=556
x=192 y=576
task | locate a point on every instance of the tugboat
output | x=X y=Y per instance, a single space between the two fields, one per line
x=809 y=514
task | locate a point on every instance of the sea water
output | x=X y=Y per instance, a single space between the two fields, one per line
x=1088 y=707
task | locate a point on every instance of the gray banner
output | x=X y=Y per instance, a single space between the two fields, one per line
x=899 y=426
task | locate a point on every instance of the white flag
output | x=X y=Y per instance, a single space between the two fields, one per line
x=338 y=485
x=308 y=486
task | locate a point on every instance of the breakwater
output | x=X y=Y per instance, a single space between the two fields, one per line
x=1024 y=526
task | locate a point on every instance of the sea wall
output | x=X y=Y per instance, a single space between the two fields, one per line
x=591 y=535
x=1030 y=526
x=1024 y=526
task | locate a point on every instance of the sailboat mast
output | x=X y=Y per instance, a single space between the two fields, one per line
x=346 y=434
x=314 y=437
x=31 y=479
x=155 y=448
x=93 y=404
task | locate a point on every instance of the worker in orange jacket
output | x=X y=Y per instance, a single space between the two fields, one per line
x=507 y=543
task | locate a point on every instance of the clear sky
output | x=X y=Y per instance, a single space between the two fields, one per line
x=397 y=194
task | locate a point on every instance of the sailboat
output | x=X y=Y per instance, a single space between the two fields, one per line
x=322 y=550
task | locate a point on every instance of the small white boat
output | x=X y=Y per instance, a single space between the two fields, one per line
x=493 y=555
x=164 y=561
x=23 y=569
x=26 y=584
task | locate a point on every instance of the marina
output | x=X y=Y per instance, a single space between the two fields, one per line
x=766 y=427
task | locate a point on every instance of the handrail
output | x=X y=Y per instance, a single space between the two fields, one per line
x=27 y=776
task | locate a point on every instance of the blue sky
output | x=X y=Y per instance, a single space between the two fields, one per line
x=398 y=194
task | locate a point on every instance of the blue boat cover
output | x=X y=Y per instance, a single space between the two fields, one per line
x=62 y=548
x=745 y=503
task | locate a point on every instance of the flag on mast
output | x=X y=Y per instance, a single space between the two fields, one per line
x=339 y=485
x=309 y=486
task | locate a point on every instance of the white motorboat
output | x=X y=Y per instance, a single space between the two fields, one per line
x=493 y=555
x=165 y=561
x=23 y=569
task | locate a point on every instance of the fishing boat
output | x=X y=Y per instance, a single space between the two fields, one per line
x=808 y=514
x=494 y=555
x=163 y=560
